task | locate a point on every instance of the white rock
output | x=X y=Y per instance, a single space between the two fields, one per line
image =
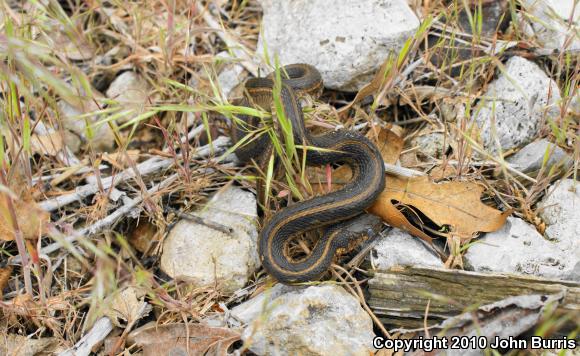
x=346 y=40
x=517 y=101
x=574 y=106
x=560 y=210
x=252 y=308
x=531 y=158
x=430 y=143
x=549 y=22
x=131 y=90
x=102 y=138
x=231 y=75
x=518 y=248
x=318 y=320
x=206 y=256
x=399 y=248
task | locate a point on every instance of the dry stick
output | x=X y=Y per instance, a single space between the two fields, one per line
x=65 y=156
x=98 y=332
x=363 y=253
x=128 y=206
x=239 y=50
x=402 y=171
x=147 y=167
x=202 y=221
x=100 y=225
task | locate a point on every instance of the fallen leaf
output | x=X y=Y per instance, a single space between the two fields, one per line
x=30 y=218
x=182 y=339
x=4 y=277
x=144 y=236
x=19 y=345
x=378 y=81
x=50 y=144
x=318 y=179
x=78 y=50
x=119 y=159
x=453 y=204
x=126 y=305
x=419 y=94
x=390 y=145
x=112 y=344
x=442 y=172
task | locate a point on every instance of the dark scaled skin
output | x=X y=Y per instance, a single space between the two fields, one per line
x=333 y=211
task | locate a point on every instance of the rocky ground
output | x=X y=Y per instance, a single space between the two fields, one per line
x=128 y=225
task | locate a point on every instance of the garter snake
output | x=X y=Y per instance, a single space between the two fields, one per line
x=332 y=211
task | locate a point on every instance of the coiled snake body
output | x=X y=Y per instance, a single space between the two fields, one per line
x=332 y=211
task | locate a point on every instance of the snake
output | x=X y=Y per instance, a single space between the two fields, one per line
x=331 y=212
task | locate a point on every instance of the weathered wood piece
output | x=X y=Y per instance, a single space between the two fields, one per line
x=400 y=296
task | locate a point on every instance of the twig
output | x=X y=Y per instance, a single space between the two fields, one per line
x=151 y=165
x=202 y=221
x=128 y=206
x=106 y=222
x=359 y=295
x=239 y=50
x=363 y=253
x=402 y=171
x=98 y=332
x=73 y=170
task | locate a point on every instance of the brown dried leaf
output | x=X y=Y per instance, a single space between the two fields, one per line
x=4 y=277
x=144 y=236
x=127 y=305
x=121 y=159
x=378 y=81
x=79 y=50
x=456 y=204
x=30 y=218
x=49 y=144
x=181 y=339
x=442 y=172
x=20 y=345
x=390 y=145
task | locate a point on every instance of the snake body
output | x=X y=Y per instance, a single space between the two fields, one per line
x=332 y=211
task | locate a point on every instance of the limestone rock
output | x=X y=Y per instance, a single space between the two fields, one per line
x=549 y=22
x=518 y=248
x=560 y=211
x=431 y=143
x=530 y=159
x=76 y=133
x=574 y=106
x=318 y=320
x=206 y=256
x=131 y=90
x=399 y=248
x=252 y=308
x=516 y=104
x=232 y=74
x=346 y=40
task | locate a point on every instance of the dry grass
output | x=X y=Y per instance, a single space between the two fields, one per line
x=71 y=50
